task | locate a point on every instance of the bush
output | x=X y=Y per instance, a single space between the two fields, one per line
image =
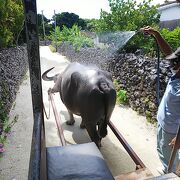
x=121 y=96
x=172 y=37
x=52 y=48
x=73 y=36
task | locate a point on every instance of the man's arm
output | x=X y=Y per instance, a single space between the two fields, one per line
x=164 y=46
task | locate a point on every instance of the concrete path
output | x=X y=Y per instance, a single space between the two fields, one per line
x=140 y=135
x=15 y=160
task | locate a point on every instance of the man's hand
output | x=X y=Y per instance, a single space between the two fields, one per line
x=172 y=143
x=164 y=46
x=149 y=30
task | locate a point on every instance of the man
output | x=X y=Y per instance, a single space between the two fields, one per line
x=168 y=115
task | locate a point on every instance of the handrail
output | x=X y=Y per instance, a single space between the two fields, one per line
x=174 y=150
x=58 y=121
x=133 y=155
x=37 y=164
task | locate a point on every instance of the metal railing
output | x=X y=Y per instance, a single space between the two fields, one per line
x=37 y=164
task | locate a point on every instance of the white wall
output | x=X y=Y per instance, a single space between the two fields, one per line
x=170 y=12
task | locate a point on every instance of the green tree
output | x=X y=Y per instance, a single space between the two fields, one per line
x=11 y=21
x=82 y=23
x=69 y=19
x=92 y=24
x=66 y=19
x=6 y=35
x=172 y=37
x=128 y=15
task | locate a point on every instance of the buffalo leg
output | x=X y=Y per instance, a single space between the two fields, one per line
x=93 y=134
x=71 y=120
x=54 y=89
x=82 y=125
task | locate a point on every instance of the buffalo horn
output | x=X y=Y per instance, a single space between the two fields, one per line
x=45 y=77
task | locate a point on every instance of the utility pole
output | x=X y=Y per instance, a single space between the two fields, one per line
x=44 y=33
x=55 y=29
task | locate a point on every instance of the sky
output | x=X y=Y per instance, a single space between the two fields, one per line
x=85 y=9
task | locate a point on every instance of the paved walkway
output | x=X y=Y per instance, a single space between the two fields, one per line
x=140 y=135
x=15 y=160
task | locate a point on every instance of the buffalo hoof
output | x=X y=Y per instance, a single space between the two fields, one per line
x=49 y=91
x=98 y=144
x=82 y=126
x=70 y=122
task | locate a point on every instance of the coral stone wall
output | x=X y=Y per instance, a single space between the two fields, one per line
x=13 y=67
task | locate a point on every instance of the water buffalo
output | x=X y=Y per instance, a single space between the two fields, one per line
x=88 y=92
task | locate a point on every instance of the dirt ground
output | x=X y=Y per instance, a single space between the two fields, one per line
x=140 y=135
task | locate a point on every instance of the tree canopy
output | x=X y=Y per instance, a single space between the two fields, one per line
x=128 y=15
x=11 y=21
x=69 y=19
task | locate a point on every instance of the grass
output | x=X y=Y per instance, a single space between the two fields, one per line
x=52 y=48
x=121 y=97
x=121 y=94
x=5 y=126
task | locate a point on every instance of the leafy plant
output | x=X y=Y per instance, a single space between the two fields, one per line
x=121 y=96
x=11 y=21
x=56 y=36
x=3 y=114
x=172 y=37
x=5 y=126
x=80 y=41
x=52 y=48
x=71 y=35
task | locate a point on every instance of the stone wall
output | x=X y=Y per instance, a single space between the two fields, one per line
x=13 y=67
x=135 y=73
x=85 y=55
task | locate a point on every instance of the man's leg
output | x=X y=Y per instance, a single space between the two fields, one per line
x=164 y=150
x=159 y=137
